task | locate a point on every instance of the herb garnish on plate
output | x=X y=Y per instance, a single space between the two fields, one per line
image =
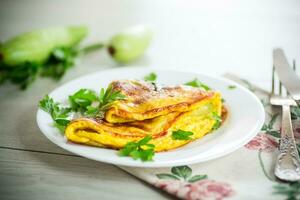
x=182 y=135
x=198 y=84
x=139 y=150
x=218 y=121
x=80 y=102
x=150 y=77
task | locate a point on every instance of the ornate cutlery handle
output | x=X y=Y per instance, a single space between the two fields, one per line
x=288 y=163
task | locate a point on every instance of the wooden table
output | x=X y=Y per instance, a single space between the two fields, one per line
x=208 y=37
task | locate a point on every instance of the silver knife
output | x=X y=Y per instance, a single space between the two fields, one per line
x=287 y=75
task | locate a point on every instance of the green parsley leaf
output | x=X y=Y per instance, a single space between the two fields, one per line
x=47 y=104
x=82 y=99
x=108 y=96
x=139 y=150
x=60 y=115
x=197 y=83
x=92 y=111
x=60 y=60
x=63 y=58
x=181 y=135
x=145 y=140
x=231 y=87
x=22 y=75
x=218 y=121
x=150 y=77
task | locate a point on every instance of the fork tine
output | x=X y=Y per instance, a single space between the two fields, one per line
x=294 y=65
x=273 y=80
x=280 y=87
x=294 y=68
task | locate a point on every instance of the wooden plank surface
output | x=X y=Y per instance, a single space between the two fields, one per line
x=29 y=175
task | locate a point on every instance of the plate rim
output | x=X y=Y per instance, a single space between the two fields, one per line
x=187 y=161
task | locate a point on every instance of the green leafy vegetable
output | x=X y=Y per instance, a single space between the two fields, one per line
x=181 y=135
x=82 y=99
x=139 y=150
x=109 y=95
x=197 y=83
x=60 y=60
x=47 y=52
x=60 y=115
x=64 y=58
x=150 y=77
x=106 y=98
x=93 y=112
x=35 y=46
x=129 y=44
x=22 y=75
x=231 y=87
x=51 y=52
x=218 y=121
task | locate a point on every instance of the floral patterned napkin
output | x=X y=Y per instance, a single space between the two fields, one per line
x=244 y=174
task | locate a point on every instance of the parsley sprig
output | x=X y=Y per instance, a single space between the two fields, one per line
x=105 y=99
x=231 y=87
x=80 y=102
x=22 y=75
x=182 y=135
x=198 y=84
x=60 y=115
x=139 y=150
x=59 y=62
x=150 y=77
x=218 y=120
x=81 y=99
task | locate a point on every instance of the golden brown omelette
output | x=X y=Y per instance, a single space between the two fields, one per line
x=149 y=110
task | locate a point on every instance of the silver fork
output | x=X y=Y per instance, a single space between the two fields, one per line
x=287 y=165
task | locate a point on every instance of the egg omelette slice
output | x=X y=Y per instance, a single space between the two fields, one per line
x=198 y=117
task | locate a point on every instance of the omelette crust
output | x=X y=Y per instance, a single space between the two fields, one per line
x=146 y=100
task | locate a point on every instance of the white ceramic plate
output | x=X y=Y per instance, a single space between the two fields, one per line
x=246 y=116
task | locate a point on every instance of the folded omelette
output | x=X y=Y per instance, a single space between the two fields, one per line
x=149 y=110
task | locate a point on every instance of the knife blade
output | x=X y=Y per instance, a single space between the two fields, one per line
x=286 y=74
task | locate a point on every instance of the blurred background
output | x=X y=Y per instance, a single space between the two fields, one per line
x=204 y=36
